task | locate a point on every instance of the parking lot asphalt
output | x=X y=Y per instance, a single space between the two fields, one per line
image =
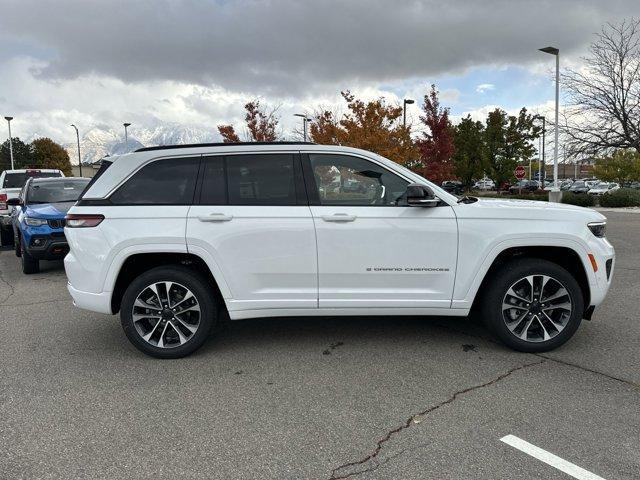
x=316 y=398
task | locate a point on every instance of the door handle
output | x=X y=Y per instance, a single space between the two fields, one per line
x=339 y=217
x=215 y=217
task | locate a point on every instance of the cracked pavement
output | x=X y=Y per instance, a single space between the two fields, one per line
x=314 y=398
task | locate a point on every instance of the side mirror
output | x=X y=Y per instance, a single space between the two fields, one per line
x=13 y=201
x=420 y=196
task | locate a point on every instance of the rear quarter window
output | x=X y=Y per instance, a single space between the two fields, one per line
x=161 y=182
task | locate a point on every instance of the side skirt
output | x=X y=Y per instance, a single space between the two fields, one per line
x=340 y=312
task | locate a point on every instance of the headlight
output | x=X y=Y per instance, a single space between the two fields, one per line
x=599 y=229
x=34 y=222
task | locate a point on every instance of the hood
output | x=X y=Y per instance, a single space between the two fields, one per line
x=49 y=210
x=527 y=209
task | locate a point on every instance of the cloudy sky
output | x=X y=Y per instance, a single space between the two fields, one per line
x=99 y=63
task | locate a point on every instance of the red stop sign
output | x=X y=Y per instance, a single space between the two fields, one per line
x=519 y=172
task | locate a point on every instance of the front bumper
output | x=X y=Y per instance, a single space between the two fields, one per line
x=47 y=247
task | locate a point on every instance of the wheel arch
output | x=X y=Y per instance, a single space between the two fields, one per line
x=138 y=263
x=566 y=257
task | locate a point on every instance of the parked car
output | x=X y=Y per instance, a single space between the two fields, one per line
x=579 y=186
x=11 y=182
x=591 y=182
x=524 y=186
x=453 y=186
x=484 y=184
x=39 y=219
x=603 y=187
x=566 y=185
x=178 y=238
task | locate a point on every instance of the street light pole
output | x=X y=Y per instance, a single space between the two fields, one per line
x=305 y=119
x=79 y=158
x=405 y=102
x=126 y=138
x=8 y=119
x=542 y=165
x=555 y=51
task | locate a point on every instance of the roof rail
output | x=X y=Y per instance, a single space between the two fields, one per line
x=219 y=144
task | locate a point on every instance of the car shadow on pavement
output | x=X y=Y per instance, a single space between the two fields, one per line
x=334 y=333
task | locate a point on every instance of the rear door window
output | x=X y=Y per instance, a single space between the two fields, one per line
x=261 y=179
x=214 y=185
x=169 y=181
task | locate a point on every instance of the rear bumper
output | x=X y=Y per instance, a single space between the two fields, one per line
x=96 y=302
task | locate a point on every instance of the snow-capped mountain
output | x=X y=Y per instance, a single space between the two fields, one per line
x=101 y=141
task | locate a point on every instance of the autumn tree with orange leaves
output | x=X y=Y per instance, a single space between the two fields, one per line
x=261 y=125
x=436 y=146
x=372 y=126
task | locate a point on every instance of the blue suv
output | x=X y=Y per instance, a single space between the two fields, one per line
x=39 y=220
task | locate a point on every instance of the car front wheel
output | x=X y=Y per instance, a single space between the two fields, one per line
x=168 y=312
x=533 y=305
x=29 y=264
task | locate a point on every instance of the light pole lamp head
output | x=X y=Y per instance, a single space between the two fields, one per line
x=126 y=125
x=8 y=119
x=409 y=101
x=550 y=50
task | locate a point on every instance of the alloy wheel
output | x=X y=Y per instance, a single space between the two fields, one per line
x=166 y=314
x=536 y=308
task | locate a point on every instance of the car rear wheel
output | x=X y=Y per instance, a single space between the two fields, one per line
x=29 y=264
x=168 y=312
x=533 y=305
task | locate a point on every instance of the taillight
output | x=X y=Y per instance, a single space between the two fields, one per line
x=3 y=201
x=79 y=220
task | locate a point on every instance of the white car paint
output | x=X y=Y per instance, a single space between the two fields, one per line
x=296 y=260
x=603 y=187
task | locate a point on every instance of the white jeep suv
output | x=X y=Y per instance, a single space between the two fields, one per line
x=179 y=238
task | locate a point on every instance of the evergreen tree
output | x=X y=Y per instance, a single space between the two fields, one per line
x=22 y=155
x=469 y=157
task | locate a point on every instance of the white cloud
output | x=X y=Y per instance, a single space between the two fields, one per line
x=485 y=87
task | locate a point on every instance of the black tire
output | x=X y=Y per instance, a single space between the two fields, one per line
x=17 y=246
x=29 y=264
x=501 y=281
x=6 y=237
x=200 y=288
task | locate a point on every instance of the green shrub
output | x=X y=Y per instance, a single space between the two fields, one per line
x=580 y=199
x=625 y=197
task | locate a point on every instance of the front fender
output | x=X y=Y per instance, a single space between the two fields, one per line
x=469 y=281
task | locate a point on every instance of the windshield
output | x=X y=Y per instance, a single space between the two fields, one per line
x=578 y=184
x=56 y=191
x=17 y=180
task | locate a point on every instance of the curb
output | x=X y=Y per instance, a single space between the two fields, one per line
x=618 y=210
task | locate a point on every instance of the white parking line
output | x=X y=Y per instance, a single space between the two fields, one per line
x=550 y=459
